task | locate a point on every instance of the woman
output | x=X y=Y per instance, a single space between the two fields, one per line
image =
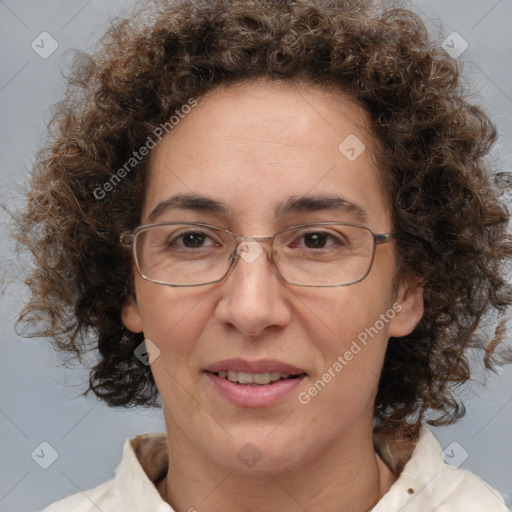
x=276 y=218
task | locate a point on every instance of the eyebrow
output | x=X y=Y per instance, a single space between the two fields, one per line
x=314 y=203
x=189 y=202
x=294 y=204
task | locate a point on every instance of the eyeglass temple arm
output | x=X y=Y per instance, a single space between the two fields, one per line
x=383 y=238
x=126 y=238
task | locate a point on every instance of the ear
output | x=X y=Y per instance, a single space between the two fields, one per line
x=409 y=309
x=130 y=315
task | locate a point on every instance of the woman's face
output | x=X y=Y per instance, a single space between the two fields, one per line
x=251 y=149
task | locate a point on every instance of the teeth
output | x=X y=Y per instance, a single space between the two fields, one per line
x=253 y=378
x=243 y=378
x=261 y=378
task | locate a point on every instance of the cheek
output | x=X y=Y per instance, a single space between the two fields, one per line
x=341 y=329
x=360 y=312
x=350 y=330
x=172 y=318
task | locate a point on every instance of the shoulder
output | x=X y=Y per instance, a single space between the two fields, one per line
x=86 y=501
x=428 y=484
x=133 y=487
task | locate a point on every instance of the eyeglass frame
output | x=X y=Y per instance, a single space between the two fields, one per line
x=128 y=239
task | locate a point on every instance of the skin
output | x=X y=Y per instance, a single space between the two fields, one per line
x=251 y=147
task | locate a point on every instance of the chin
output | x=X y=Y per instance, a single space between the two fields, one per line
x=255 y=452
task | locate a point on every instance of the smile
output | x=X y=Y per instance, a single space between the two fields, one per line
x=254 y=379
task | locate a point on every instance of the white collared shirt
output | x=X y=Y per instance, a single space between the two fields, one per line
x=426 y=484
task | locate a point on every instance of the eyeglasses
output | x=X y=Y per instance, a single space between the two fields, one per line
x=196 y=254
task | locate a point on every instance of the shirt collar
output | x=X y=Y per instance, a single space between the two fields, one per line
x=145 y=460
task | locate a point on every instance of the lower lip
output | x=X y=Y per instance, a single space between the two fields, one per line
x=243 y=395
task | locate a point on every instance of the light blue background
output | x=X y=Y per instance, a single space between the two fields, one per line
x=36 y=401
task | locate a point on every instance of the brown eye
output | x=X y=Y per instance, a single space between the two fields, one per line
x=190 y=240
x=316 y=240
x=193 y=240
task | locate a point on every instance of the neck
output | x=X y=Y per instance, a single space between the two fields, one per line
x=348 y=476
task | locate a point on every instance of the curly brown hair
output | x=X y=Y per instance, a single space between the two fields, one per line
x=448 y=215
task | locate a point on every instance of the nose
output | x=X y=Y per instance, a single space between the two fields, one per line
x=254 y=297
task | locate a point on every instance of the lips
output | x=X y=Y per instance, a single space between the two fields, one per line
x=254 y=367
x=253 y=384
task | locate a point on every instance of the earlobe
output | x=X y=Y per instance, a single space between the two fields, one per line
x=409 y=310
x=130 y=315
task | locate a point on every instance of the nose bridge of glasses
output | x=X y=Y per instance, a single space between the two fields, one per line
x=250 y=248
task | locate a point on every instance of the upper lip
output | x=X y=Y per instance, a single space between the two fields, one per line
x=261 y=366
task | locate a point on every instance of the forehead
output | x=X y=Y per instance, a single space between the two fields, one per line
x=256 y=148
